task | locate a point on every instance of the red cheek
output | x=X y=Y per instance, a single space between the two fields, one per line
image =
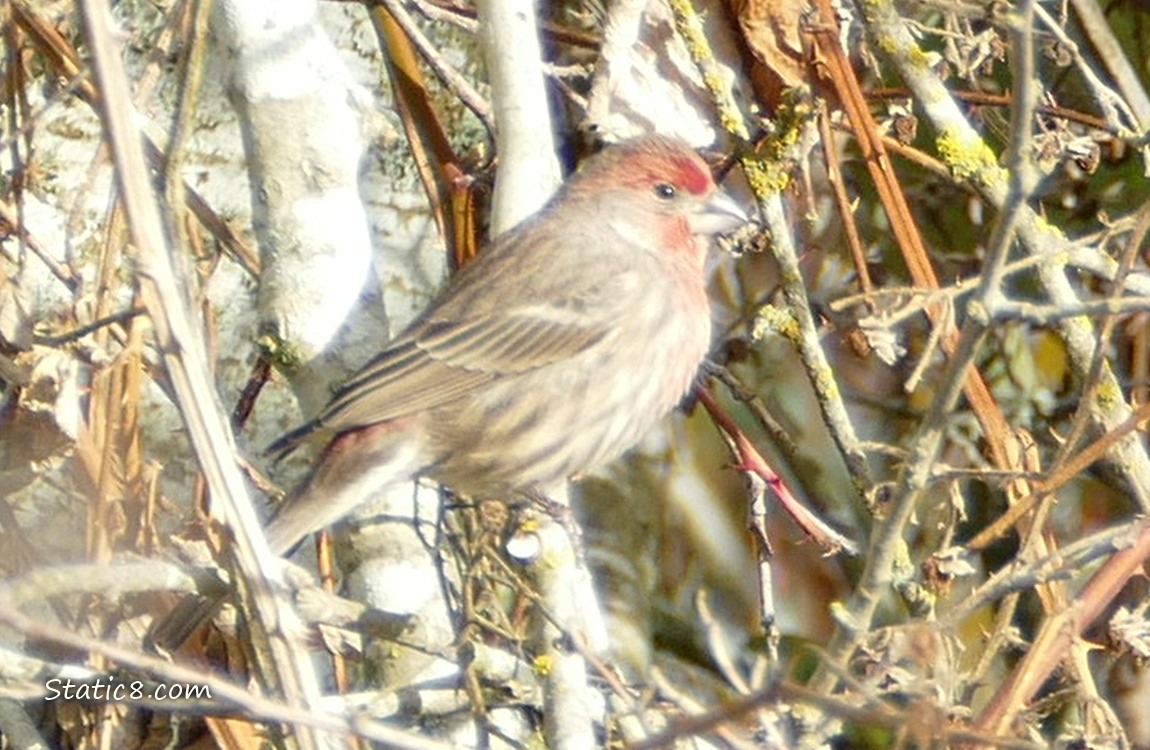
x=677 y=239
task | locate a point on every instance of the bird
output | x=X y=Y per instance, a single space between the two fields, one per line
x=554 y=351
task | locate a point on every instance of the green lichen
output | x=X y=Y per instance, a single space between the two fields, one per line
x=792 y=114
x=825 y=383
x=284 y=356
x=766 y=177
x=769 y=170
x=716 y=80
x=1109 y=395
x=772 y=319
x=713 y=81
x=544 y=664
x=918 y=58
x=968 y=158
x=1044 y=226
x=691 y=30
x=888 y=44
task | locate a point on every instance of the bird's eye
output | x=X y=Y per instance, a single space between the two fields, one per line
x=665 y=190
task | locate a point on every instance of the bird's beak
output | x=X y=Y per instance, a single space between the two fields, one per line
x=719 y=214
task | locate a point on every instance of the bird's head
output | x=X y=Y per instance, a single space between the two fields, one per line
x=664 y=186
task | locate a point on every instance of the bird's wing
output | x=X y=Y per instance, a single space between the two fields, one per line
x=490 y=325
x=444 y=358
x=477 y=333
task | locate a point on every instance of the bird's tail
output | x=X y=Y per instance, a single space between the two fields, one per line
x=355 y=467
x=285 y=444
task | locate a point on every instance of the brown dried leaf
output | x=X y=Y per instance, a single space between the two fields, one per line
x=772 y=31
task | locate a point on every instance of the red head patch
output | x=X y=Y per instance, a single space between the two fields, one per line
x=648 y=161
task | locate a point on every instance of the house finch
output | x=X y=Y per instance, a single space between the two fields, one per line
x=555 y=350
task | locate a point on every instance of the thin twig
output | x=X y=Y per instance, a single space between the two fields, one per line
x=451 y=78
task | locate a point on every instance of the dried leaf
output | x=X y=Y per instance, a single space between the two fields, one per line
x=771 y=29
